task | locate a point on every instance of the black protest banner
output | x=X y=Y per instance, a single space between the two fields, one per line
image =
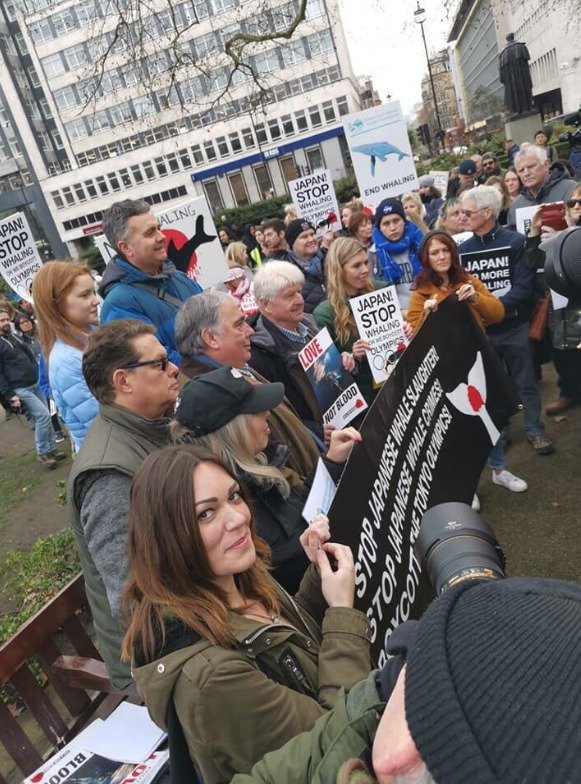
x=491 y=267
x=425 y=441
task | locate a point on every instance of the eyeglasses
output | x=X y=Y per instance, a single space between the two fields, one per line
x=470 y=213
x=163 y=364
x=574 y=203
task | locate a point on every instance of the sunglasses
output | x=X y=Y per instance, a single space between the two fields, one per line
x=163 y=364
x=470 y=213
x=573 y=203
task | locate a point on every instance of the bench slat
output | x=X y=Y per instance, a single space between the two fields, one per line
x=39 y=705
x=17 y=743
x=75 y=700
x=81 y=641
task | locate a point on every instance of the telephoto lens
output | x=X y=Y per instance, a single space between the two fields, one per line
x=455 y=544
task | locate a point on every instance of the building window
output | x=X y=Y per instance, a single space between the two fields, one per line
x=267 y=62
x=342 y=105
x=315 y=116
x=161 y=167
x=185 y=159
x=53 y=65
x=261 y=134
x=263 y=180
x=41 y=31
x=234 y=140
x=213 y=195
x=238 y=187
x=287 y=125
x=320 y=43
x=80 y=192
x=173 y=163
x=57 y=199
x=198 y=154
x=315 y=158
x=66 y=98
x=288 y=167
x=76 y=55
x=274 y=130
x=114 y=182
x=68 y=194
x=136 y=173
x=329 y=112
x=248 y=138
x=102 y=185
x=210 y=150
x=301 y=119
x=293 y=53
x=149 y=172
x=222 y=146
x=90 y=188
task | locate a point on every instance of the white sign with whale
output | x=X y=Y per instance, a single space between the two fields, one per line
x=381 y=152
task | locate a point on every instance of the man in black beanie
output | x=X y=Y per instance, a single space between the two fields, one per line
x=484 y=689
x=304 y=252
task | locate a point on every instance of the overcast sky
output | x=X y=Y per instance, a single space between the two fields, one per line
x=386 y=44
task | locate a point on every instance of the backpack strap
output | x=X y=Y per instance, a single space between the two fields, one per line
x=158 y=292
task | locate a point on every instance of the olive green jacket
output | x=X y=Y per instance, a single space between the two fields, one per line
x=231 y=712
x=316 y=757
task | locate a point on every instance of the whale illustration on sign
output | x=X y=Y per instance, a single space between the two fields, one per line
x=380 y=150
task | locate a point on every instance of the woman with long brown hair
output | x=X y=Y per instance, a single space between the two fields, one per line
x=214 y=639
x=66 y=308
x=442 y=275
x=348 y=276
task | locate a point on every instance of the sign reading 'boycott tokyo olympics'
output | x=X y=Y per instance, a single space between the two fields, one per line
x=424 y=442
x=379 y=320
x=19 y=258
x=491 y=267
x=315 y=200
x=191 y=241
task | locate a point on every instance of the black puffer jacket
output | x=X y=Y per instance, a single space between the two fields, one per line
x=280 y=522
x=18 y=365
x=313 y=290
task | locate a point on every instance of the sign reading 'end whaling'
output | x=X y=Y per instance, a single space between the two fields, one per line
x=381 y=152
x=425 y=441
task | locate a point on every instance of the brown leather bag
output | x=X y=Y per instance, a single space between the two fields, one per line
x=540 y=319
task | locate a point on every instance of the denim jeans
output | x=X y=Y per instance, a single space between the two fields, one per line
x=496 y=457
x=512 y=347
x=38 y=414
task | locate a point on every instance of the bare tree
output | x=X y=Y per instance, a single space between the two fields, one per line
x=157 y=43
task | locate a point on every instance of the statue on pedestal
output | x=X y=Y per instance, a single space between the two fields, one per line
x=515 y=75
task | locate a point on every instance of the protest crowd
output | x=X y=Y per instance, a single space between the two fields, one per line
x=198 y=421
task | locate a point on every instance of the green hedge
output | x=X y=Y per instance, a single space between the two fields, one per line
x=252 y=213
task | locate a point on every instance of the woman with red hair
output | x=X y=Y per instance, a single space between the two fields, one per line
x=442 y=275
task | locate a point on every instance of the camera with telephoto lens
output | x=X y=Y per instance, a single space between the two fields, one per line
x=18 y=409
x=574 y=139
x=456 y=544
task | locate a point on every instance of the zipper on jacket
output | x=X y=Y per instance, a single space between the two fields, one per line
x=270 y=626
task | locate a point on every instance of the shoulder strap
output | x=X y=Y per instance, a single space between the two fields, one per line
x=159 y=293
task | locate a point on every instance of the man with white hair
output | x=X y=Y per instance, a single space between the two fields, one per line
x=282 y=330
x=542 y=185
x=510 y=338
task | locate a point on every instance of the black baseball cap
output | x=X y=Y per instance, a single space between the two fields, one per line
x=210 y=401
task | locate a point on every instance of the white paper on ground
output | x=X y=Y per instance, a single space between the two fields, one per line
x=128 y=735
x=322 y=493
x=559 y=301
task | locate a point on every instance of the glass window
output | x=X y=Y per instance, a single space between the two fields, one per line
x=301 y=119
x=66 y=98
x=263 y=179
x=235 y=142
x=172 y=162
x=329 y=111
x=197 y=153
x=315 y=158
x=342 y=105
x=274 y=129
x=287 y=125
x=114 y=182
x=136 y=173
x=288 y=167
x=160 y=166
x=58 y=200
x=222 y=146
x=238 y=186
x=314 y=9
x=53 y=65
x=80 y=192
x=41 y=31
x=149 y=172
x=315 y=116
x=185 y=159
x=210 y=151
x=77 y=129
x=213 y=195
x=320 y=43
x=248 y=138
x=68 y=195
x=90 y=188
x=76 y=55
x=293 y=53
x=267 y=62
x=261 y=134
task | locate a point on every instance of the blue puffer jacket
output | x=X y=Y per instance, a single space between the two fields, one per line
x=388 y=269
x=76 y=405
x=123 y=299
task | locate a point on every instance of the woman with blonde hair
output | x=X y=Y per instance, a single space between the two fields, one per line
x=221 y=412
x=415 y=210
x=66 y=308
x=348 y=276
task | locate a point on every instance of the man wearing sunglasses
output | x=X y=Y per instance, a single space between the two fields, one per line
x=129 y=372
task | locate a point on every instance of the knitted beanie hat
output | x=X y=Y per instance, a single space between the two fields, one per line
x=296 y=227
x=493 y=683
x=388 y=207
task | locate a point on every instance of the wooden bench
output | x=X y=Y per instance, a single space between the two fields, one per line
x=54 y=647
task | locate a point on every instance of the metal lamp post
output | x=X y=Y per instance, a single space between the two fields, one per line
x=420 y=18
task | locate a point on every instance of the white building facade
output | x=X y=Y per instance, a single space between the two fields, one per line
x=167 y=142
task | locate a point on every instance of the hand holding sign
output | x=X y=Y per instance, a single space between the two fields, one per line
x=342 y=443
x=314 y=536
x=335 y=562
x=466 y=291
